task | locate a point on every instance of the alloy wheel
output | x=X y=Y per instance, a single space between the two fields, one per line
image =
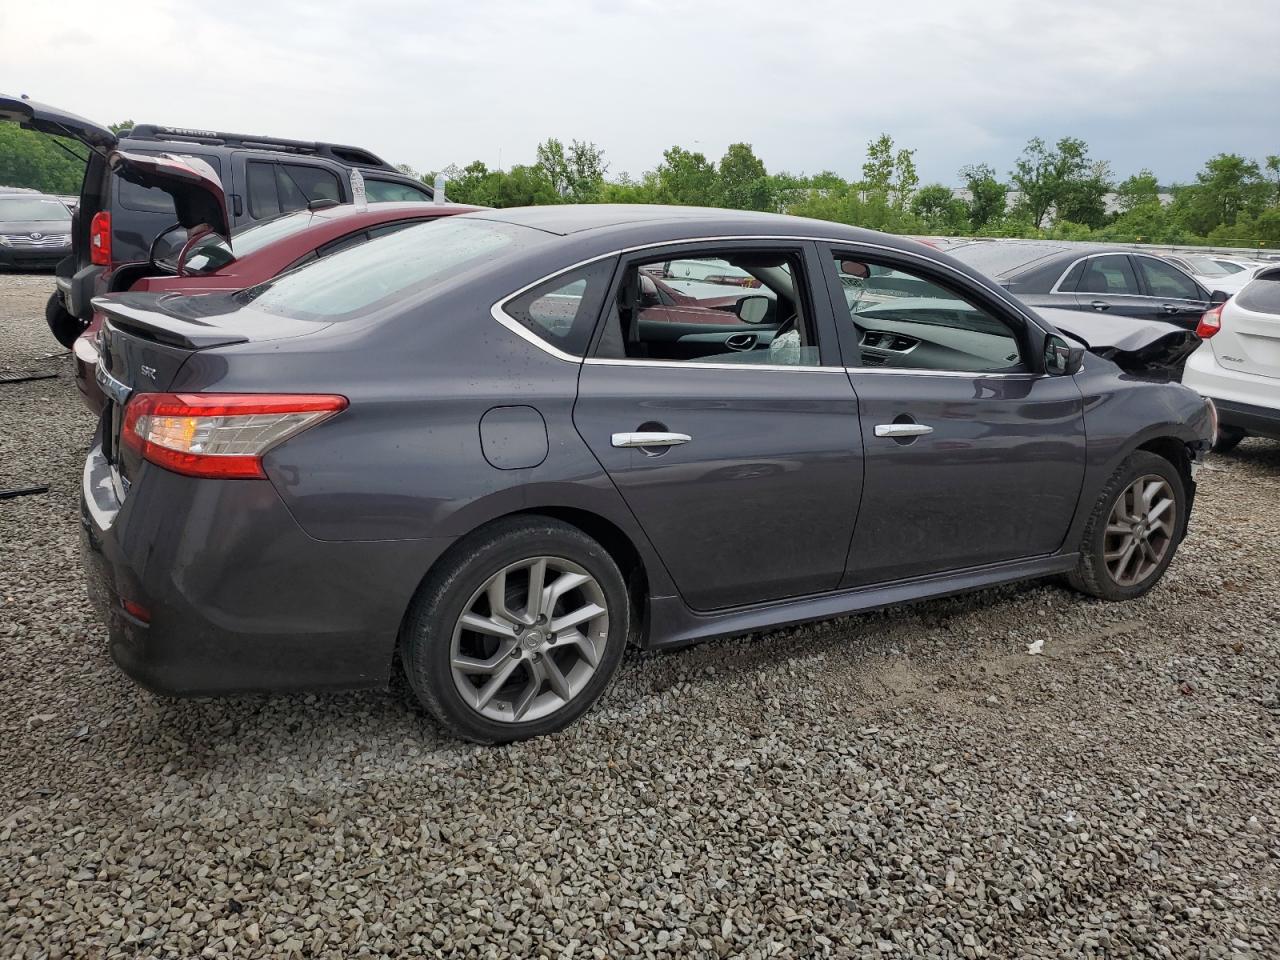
x=1140 y=530
x=529 y=640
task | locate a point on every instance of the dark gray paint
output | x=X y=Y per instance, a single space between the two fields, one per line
x=512 y=438
x=302 y=579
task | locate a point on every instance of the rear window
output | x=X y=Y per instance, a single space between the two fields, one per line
x=393 y=268
x=131 y=196
x=1261 y=294
x=33 y=209
x=997 y=259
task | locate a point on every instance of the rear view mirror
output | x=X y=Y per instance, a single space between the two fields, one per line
x=855 y=268
x=1219 y=296
x=1061 y=359
x=752 y=309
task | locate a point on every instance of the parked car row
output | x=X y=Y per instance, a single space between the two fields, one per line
x=501 y=445
x=35 y=230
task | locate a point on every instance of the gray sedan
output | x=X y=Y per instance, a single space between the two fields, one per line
x=487 y=447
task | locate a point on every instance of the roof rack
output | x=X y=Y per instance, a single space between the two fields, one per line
x=351 y=156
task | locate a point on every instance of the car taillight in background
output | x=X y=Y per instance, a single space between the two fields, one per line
x=1210 y=323
x=219 y=434
x=100 y=239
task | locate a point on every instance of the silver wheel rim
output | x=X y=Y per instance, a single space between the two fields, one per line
x=529 y=640
x=1139 y=530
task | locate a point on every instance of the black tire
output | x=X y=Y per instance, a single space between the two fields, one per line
x=448 y=592
x=64 y=327
x=1091 y=575
x=1228 y=439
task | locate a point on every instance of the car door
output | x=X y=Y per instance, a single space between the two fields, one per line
x=1108 y=283
x=744 y=468
x=972 y=454
x=1172 y=295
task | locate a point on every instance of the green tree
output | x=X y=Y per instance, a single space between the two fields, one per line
x=1273 y=174
x=123 y=125
x=987 y=195
x=1137 y=190
x=1229 y=187
x=686 y=177
x=39 y=161
x=744 y=181
x=940 y=210
x=576 y=174
x=1061 y=178
x=889 y=172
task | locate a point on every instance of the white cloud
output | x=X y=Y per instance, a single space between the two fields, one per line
x=1163 y=84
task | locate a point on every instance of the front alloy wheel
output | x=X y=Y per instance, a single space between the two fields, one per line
x=1140 y=530
x=530 y=639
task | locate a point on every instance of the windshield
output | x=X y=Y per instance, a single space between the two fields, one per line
x=387 y=270
x=996 y=259
x=1206 y=267
x=33 y=208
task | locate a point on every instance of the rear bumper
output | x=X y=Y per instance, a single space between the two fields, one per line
x=1244 y=400
x=1259 y=421
x=236 y=597
x=79 y=288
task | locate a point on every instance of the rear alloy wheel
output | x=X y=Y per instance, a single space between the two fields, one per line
x=1134 y=530
x=518 y=632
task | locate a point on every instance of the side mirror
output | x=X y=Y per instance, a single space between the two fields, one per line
x=1219 y=296
x=752 y=309
x=1061 y=359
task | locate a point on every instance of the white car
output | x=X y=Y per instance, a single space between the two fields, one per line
x=1238 y=365
x=1211 y=274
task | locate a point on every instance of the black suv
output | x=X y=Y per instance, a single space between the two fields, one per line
x=119 y=218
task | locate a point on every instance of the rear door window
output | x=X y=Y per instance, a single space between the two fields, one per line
x=1166 y=280
x=1111 y=274
x=276 y=188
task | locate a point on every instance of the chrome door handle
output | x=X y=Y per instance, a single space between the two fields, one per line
x=654 y=439
x=741 y=341
x=902 y=429
x=1100 y=305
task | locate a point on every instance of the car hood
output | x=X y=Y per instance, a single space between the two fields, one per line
x=1136 y=346
x=39 y=116
x=198 y=197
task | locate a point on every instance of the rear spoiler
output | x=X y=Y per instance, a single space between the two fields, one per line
x=151 y=324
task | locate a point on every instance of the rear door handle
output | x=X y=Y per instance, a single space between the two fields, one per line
x=653 y=439
x=1169 y=308
x=902 y=429
x=1100 y=305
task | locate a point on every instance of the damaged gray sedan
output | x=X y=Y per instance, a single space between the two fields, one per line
x=489 y=450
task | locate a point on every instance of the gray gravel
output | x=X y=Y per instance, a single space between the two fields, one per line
x=911 y=783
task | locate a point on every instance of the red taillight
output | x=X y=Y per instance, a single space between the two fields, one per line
x=1210 y=323
x=100 y=239
x=219 y=434
x=136 y=610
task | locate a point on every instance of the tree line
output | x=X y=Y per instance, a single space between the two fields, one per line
x=1054 y=190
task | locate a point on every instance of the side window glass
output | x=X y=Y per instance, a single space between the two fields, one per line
x=563 y=310
x=299 y=185
x=343 y=243
x=907 y=320
x=748 y=308
x=1165 y=280
x=388 y=191
x=263 y=200
x=1071 y=281
x=1112 y=274
x=389 y=228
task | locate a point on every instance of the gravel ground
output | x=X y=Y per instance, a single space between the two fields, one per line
x=911 y=783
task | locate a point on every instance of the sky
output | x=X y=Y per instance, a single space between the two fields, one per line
x=1163 y=85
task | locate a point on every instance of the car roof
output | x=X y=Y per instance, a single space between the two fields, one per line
x=640 y=219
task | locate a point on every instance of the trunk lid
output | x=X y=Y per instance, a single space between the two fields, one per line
x=1249 y=340
x=146 y=339
x=46 y=119
x=198 y=197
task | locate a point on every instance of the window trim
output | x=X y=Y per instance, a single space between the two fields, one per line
x=497 y=311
